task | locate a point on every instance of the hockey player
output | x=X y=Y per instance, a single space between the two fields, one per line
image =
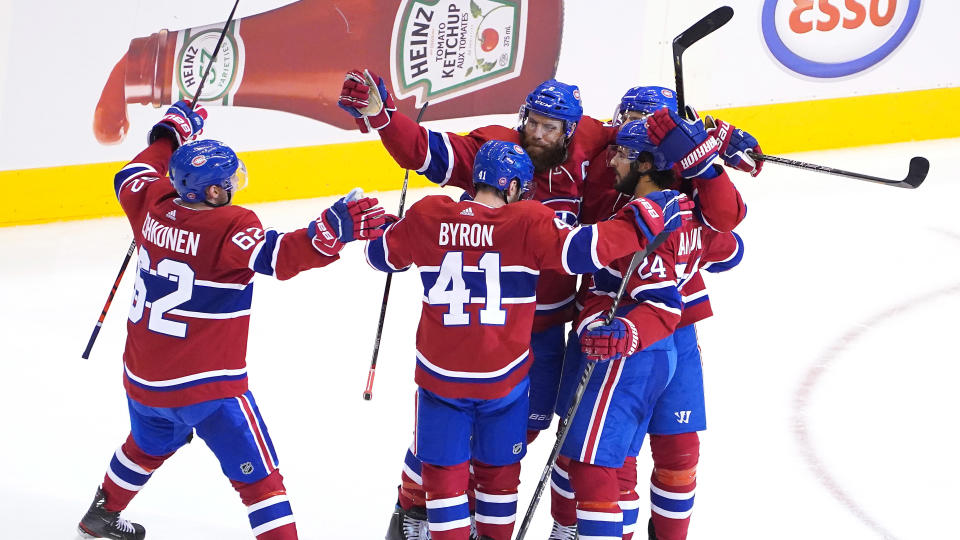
x=680 y=411
x=183 y=364
x=561 y=142
x=479 y=262
x=620 y=399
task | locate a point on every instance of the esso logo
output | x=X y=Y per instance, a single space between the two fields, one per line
x=835 y=38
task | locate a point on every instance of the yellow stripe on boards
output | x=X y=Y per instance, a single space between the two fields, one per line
x=806 y=126
x=86 y=191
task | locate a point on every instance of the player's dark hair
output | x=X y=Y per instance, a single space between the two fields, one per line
x=662 y=179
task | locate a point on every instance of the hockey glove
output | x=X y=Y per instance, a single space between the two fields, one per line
x=364 y=95
x=602 y=342
x=350 y=218
x=647 y=216
x=684 y=142
x=734 y=144
x=180 y=124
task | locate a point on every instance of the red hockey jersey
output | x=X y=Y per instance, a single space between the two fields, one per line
x=654 y=299
x=187 y=328
x=479 y=267
x=447 y=159
x=718 y=205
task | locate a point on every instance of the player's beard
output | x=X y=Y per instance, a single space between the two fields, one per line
x=544 y=157
x=628 y=183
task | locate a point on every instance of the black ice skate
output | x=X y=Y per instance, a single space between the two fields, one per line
x=408 y=524
x=101 y=523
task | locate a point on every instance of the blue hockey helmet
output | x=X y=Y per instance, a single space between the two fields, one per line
x=645 y=99
x=199 y=164
x=554 y=99
x=499 y=162
x=633 y=138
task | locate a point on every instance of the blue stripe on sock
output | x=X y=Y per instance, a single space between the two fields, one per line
x=671 y=505
x=127 y=475
x=270 y=513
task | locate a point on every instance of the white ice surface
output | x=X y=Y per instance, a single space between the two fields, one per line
x=831 y=371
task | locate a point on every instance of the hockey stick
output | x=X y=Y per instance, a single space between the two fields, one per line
x=919 y=166
x=368 y=391
x=133 y=243
x=700 y=29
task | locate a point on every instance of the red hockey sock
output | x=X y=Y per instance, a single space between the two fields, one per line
x=411 y=492
x=531 y=435
x=673 y=483
x=496 y=499
x=448 y=515
x=563 y=505
x=598 y=501
x=129 y=470
x=268 y=508
x=629 y=499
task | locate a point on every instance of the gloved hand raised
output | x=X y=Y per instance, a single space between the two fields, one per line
x=734 y=144
x=350 y=218
x=684 y=142
x=602 y=342
x=364 y=95
x=180 y=123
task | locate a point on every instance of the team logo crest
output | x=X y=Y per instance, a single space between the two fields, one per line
x=246 y=468
x=576 y=93
x=517 y=448
x=666 y=93
x=198 y=161
x=502 y=181
x=517 y=148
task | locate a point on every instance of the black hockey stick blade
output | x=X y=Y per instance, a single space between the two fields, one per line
x=919 y=166
x=713 y=20
x=700 y=29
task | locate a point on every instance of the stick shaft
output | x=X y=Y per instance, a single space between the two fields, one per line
x=368 y=390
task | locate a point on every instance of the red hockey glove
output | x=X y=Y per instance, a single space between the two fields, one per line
x=350 y=218
x=364 y=95
x=647 y=216
x=181 y=123
x=602 y=342
x=734 y=144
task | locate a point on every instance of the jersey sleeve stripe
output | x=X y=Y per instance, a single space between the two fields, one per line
x=438 y=165
x=263 y=260
x=132 y=172
x=579 y=255
x=731 y=261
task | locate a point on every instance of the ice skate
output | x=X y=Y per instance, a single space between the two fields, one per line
x=102 y=523
x=408 y=524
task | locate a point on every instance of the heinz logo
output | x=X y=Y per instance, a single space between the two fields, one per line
x=835 y=38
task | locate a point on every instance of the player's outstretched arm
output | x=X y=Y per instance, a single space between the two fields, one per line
x=588 y=248
x=285 y=255
x=439 y=156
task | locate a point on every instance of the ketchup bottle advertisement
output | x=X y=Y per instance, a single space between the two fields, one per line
x=466 y=57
